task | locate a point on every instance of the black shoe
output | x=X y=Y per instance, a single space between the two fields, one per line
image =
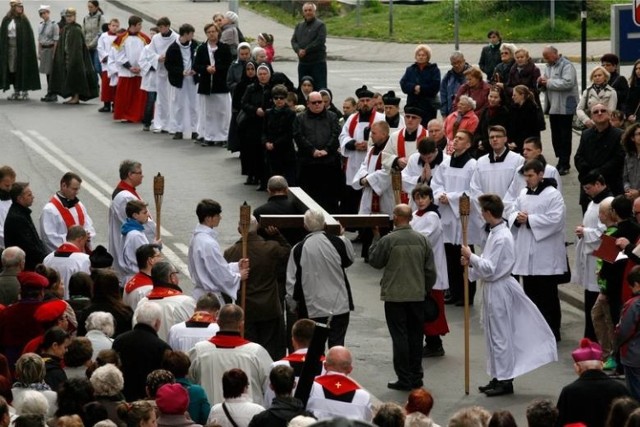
x=206 y=143
x=177 y=135
x=417 y=384
x=483 y=388
x=194 y=136
x=563 y=171
x=106 y=108
x=502 y=388
x=436 y=352
x=397 y=385
x=250 y=181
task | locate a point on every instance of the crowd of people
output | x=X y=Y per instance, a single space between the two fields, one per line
x=90 y=334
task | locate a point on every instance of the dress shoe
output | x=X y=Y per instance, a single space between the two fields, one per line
x=436 y=352
x=563 y=171
x=397 y=385
x=492 y=384
x=194 y=136
x=206 y=143
x=502 y=388
x=106 y=108
x=145 y=128
x=177 y=135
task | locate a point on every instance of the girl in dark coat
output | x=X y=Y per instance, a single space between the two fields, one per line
x=496 y=114
x=421 y=83
x=523 y=115
x=524 y=72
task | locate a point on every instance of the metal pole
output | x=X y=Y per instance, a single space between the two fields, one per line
x=583 y=50
x=456 y=23
x=358 y=13
x=390 y=17
x=233 y=5
x=552 y=14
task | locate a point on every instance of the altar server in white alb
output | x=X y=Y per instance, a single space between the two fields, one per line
x=537 y=222
x=354 y=143
x=421 y=167
x=450 y=181
x=63 y=211
x=494 y=172
x=183 y=78
x=130 y=177
x=69 y=257
x=426 y=220
x=156 y=54
x=210 y=272
x=7 y=178
x=105 y=41
x=517 y=338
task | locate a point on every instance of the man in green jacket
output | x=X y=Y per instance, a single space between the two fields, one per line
x=409 y=275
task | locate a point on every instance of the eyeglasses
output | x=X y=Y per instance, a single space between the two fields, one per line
x=136 y=172
x=275 y=98
x=316 y=102
x=599 y=112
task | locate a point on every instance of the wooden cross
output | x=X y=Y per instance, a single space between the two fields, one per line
x=332 y=222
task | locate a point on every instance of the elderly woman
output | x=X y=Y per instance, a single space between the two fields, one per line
x=418 y=407
x=631 y=171
x=524 y=72
x=495 y=114
x=598 y=93
x=32 y=403
x=463 y=118
x=107 y=382
x=421 y=83
x=523 y=116
x=100 y=329
x=30 y=372
x=475 y=88
x=229 y=34
x=507 y=60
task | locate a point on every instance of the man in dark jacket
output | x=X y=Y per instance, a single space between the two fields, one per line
x=315 y=132
x=309 y=42
x=179 y=62
x=284 y=407
x=19 y=229
x=140 y=350
x=451 y=82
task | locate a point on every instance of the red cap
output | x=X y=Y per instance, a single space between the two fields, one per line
x=172 y=399
x=50 y=311
x=32 y=280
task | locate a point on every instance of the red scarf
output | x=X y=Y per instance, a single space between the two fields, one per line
x=337 y=384
x=68 y=219
x=375 y=199
x=130 y=188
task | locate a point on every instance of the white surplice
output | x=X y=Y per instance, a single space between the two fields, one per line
x=519 y=182
x=429 y=224
x=379 y=181
x=53 y=229
x=584 y=271
x=354 y=157
x=161 y=113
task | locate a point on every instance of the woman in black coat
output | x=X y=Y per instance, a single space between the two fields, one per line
x=235 y=132
x=496 y=114
x=255 y=102
x=214 y=114
x=523 y=116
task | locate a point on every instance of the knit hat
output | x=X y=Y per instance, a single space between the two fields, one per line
x=364 y=92
x=30 y=279
x=231 y=16
x=100 y=258
x=50 y=311
x=172 y=399
x=587 y=351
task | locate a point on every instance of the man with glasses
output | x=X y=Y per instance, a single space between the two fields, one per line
x=404 y=142
x=600 y=151
x=176 y=306
x=451 y=82
x=130 y=178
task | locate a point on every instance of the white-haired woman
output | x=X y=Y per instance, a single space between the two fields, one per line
x=230 y=35
x=421 y=83
x=30 y=371
x=501 y=72
x=100 y=327
x=107 y=382
x=463 y=118
x=598 y=93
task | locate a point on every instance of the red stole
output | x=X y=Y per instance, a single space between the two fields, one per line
x=356 y=120
x=162 y=292
x=137 y=281
x=68 y=219
x=298 y=357
x=228 y=341
x=375 y=198
x=130 y=188
x=337 y=384
x=402 y=152
x=202 y=317
x=67 y=248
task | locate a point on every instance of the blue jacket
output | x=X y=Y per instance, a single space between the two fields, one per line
x=429 y=81
x=448 y=89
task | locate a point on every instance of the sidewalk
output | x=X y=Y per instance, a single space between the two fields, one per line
x=339 y=49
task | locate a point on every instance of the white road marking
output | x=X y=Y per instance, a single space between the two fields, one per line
x=182 y=248
x=86 y=184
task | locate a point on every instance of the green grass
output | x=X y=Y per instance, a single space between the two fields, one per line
x=433 y=22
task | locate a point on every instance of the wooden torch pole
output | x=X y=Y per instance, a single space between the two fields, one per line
x=465 y=210
x=158 y=193
x=245 y=219
x=396 y=184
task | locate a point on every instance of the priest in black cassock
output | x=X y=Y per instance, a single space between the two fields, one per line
x=73 y=74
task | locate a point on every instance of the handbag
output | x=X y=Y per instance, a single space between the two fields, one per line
x=431 y=309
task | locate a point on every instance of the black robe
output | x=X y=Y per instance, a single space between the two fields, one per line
x=73 y=71
x=27 y=76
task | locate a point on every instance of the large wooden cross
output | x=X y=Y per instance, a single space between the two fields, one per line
x=333 y=223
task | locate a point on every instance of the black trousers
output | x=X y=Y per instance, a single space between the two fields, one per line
x=337 y=328
x=405 y=320
x=590 y=298
x=561 y=135
x=455 y=271
x=543 y=291
x=269 y=334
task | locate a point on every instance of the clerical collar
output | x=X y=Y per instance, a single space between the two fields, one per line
x=431 y=208
x=394 y=121
x=461 y=160
x=488 y=227
x=66 y=202
x=167 y=34
x=5 y=195
x=187 y=43
x=601 y=195
x=378 y=148
x=500 y=158
x=410 y=136
x=546 y=182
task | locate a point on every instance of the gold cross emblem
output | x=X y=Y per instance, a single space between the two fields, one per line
x=338 y=385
